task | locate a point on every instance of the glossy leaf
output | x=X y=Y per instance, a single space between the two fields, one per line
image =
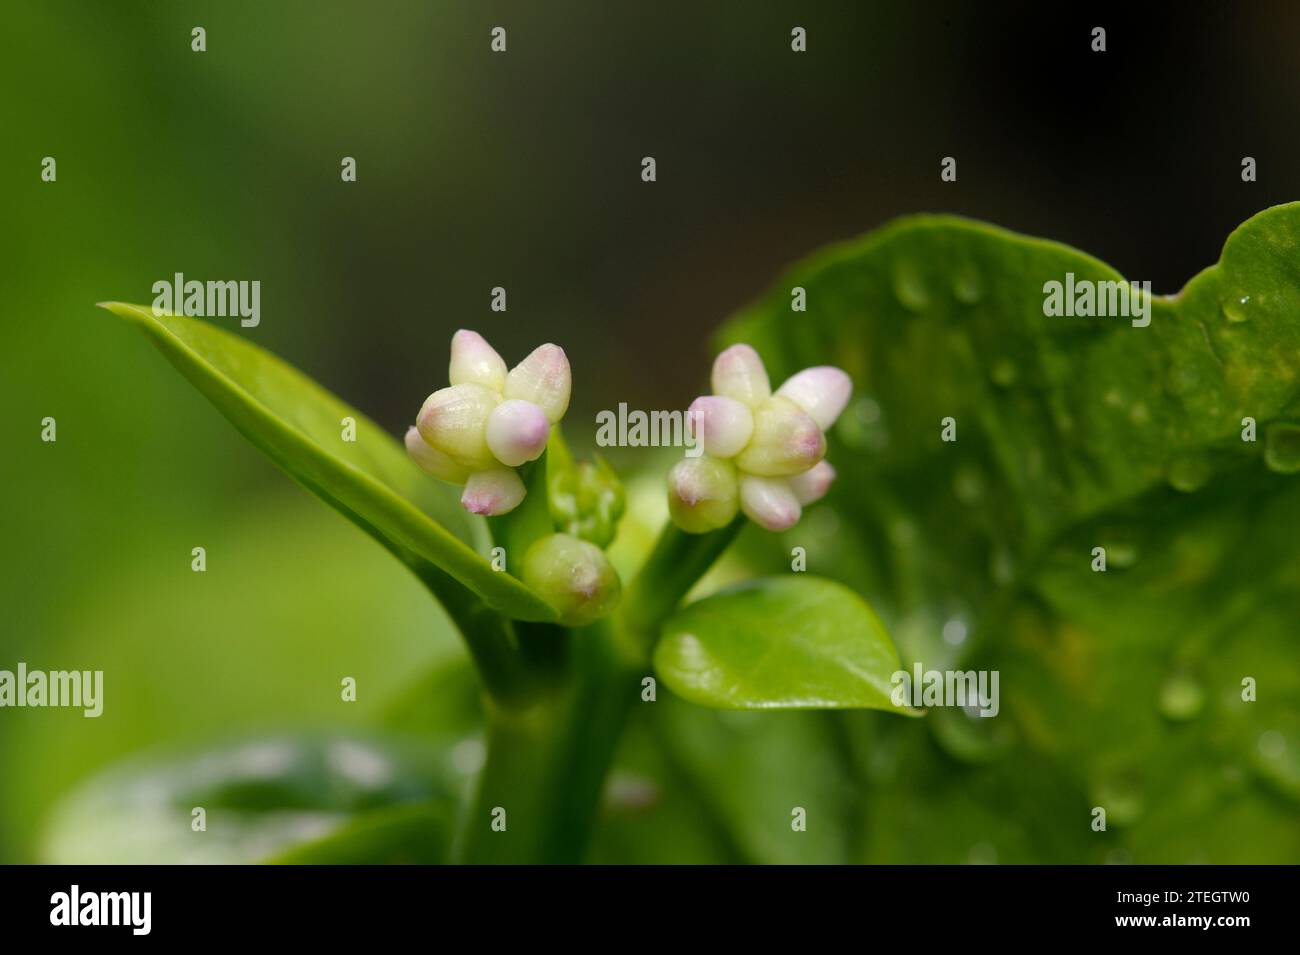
x=1121 y=689
x=371 y=481
x=795 y=642
x=402 y=835
x=292 y=798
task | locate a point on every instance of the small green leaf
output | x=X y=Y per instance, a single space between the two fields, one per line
x=779 y=643
x=371 y=481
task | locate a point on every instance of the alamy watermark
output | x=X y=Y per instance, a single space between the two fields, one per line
x=648 y=429
x=975 y=691
x=57 y=688
x=75 y=907
x=1084 y=298
x=212 y=299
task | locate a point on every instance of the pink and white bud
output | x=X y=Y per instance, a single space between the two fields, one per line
x=822 y=392
x=786 y=441
x=493 y=492
x=544 y=379
x=723 y=425
x=574 y=576
x=739 y=373
x=517 y=432
x=769 y=502
x=475 y=362
x=702 y=494
x=813 y=484
x=454 y=420
x=432 y=460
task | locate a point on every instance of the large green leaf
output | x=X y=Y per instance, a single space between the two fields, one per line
x=371 y=481
x=277 y=798
x=1119 y=689
x=794 y=642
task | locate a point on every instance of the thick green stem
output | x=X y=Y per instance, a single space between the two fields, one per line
x=547 y=762
x=491 y=639
x=546 y=765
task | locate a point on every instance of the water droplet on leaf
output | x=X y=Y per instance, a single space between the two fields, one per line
x=1002 y=567
x=1181 y=698
x=1121 y=553
x=966 y=286
x=1004 y=373
x=1282 y=448
x=1272 y=744
x=909 y=287
x=968 y=484
x=1122 y=801
x=954 y=632
x=1189 y=473
x=861 y=426
x=1234 y=309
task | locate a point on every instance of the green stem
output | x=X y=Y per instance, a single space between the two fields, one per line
x=492 y=641
x=547 y=762
x=675 y=565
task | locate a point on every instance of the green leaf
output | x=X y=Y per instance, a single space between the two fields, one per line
x=794 y=642
x=1058 y=419
x=1119 y=689
x=402 y=835
x=371 y=481
x=288 y=798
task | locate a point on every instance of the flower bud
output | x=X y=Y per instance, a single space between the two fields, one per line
x=739 y=373
x=702 y=494
x=723 y=425
x=475 y=362
x=454 y=420
x=573 y=576
x=786 y=441
x=432 y=460
x=517 y=432
x=587 y=500
x=493 y=492
x=813 y=484
x=822 y=392
x=544 y=379
x=769 y=502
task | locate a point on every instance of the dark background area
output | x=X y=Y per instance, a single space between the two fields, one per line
x=475 y=170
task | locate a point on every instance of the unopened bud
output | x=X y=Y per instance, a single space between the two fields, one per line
x=587 y=501
x=432 y=460
x=454 y=420
x=822 y=392
x=769 y=502
x=544 y=379
x=702 y=494
x=573 y=576
x=493 y=492
x=723 y=425
x=786 y=441
x=475 y=362
x=739 y=373
x=813 y=484
x=517 y=432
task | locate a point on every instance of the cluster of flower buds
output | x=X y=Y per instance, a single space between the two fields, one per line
x=490 y=421
x=762 y=451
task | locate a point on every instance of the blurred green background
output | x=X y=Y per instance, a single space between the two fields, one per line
x=520 y=170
